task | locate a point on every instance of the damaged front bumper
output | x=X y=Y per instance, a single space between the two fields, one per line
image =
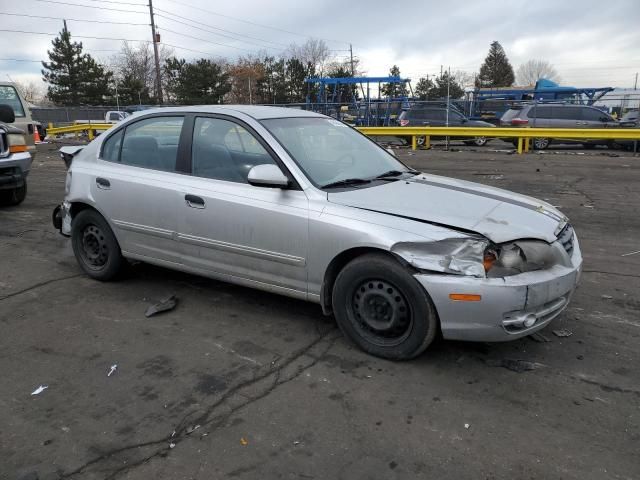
x=509 y=307
x=61 y=218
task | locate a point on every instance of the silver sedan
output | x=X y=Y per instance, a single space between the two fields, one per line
x=300 y=204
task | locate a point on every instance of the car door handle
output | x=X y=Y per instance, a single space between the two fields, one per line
x=194 y=201
x=103 y=183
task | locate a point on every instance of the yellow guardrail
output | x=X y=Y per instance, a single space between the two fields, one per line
x=90 y=128
x=524 y=135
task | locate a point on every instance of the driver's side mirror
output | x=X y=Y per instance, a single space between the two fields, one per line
x=267 y=175
x=7 y=115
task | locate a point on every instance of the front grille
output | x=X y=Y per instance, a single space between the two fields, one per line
x=565 y=237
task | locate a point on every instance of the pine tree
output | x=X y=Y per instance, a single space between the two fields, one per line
x=201 y=82
x=496 y=71
x=423 y=88
x=446 y=83
x=74 y=78
x=394 y=90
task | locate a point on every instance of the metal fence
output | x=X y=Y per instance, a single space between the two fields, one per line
x=69 y=115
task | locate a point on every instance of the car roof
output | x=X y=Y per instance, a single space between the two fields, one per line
x=259 y=112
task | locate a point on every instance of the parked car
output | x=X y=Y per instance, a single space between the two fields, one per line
x=631 y=119
x=114 y=116
x=297 y=203
x=10 y=95
x=15 y=159
x=437 y=117
x=559 y=116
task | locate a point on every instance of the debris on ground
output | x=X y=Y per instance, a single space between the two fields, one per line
x=112 y=370
x=517 y=366
x=466 y=425
x=538 y=337
x=243 y=442
x=562 y=333
x=607 y=297
x=172 y=445
x=192 y=429
x=40 y=389
x=165 y=305
x=296 y=442
x=630 y=253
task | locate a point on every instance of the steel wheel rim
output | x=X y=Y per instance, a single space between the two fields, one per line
x=93 y=247
x=420 y=141
x=380 y=312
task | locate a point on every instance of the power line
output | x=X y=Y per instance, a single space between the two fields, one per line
x=18 y=60
x=90 y=6
x=210 y=31
x=250 y=23
x=204 y=40
x=72 y=19
x=76 y=36
x=119 y=3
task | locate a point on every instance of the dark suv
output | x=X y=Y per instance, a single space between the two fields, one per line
x=437 y=117
x=559 y=116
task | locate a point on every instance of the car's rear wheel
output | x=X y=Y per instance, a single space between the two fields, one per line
x=95 y=246
x=383 y=309
x=541 y=143
x=420 y=141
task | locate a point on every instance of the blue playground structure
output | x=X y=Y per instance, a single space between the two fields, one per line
x=349 y=99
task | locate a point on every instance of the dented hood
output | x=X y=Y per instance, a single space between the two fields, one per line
x=497 y=214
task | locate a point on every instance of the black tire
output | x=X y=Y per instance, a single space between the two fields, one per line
x=95 y=246
x=477 y=141
x=15 y=196
x=383 y=309
x=541 y=143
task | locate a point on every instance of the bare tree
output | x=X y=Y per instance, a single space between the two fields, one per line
x=30 y=91
x=533 y=70
x=465 y=79
x=136 y=61
x=314 y=51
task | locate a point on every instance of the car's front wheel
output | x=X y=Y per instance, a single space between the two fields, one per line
x=477 y=141
x=95 y=246
x=383 y=309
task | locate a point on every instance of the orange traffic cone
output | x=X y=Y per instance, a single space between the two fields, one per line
x=36 y=135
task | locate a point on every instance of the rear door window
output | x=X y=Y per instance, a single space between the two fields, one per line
x=594 y=115
x=149 y=143
x=568 y=113
x=540 y=112
x=9 y=96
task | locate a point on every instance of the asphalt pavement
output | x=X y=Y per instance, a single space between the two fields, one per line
x=241 y=384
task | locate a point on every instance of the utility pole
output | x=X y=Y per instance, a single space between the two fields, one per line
x=635 y=85
x=155 y=54
x=353 y=70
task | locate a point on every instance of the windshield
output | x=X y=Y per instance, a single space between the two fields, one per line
x=9 y=96
x=329 y=151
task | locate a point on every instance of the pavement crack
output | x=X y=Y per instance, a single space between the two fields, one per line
x=41 y=284
x=603 y=272
x=208 y=417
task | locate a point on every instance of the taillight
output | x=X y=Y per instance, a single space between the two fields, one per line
x=519 y=121
x=404 y=123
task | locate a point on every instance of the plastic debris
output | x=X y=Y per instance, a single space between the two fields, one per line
x=538 y=337
x=165 y=305
x=562 y=333
x=40 y=389
x=466 y=425
x=192 y=429
x=607 y=297
x=296 y=442
x=243 y=442
x=630 y=253
x=517 y=366
x=172 y=445
x=112 y=370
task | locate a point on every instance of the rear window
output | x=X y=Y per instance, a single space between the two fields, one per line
x=568 y=113
x=9 y=96
x=510 y=114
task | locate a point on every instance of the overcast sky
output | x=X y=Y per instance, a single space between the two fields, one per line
x=591 y=43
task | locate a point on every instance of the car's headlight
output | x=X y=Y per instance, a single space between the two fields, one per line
x=17 y=142
x=461 y=255
x=524 y=256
